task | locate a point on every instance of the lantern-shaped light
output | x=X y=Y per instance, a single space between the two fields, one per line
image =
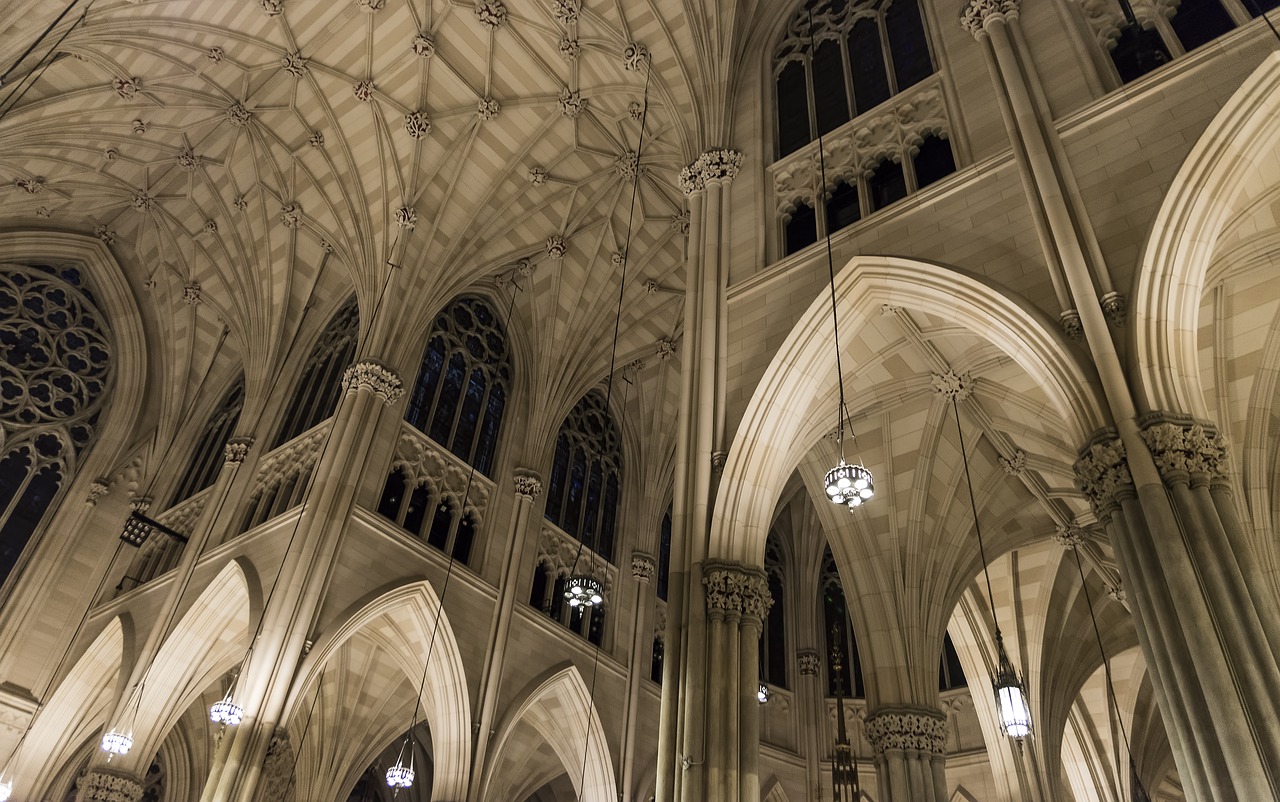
x=762 y=694
x=400 y=776
x=583 y=591
x=117 y=743
x=6 y=790
x=226 y=711
x=1011 y=697
x=850 y=485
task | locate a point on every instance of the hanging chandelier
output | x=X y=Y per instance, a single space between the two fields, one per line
x=6 y=790
x=226 y=711
x=847 y=484
x=117 y=743
x=584 y=591
x=400 y=775
x=1010 y=690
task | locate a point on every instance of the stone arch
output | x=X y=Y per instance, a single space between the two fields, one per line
x=555 y=711
x=74 y=714
x=206 y=642
x=777 y=427
x=1237 y=155
x=774 y=792
x=400 y=623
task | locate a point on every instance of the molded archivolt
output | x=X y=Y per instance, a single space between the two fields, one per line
x=544 y=736
x=76 y=712
x=778 y=428
x=1236 y=157
x=366 y=673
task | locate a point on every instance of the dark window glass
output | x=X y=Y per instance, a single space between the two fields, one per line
x=887 y=184
x=559 y=472
x=1198 y=22
x=776 y=673
x=1257 y=7
x=842 y=206
x=664 y=556
x=933 y=161
x=469 y=415
x=582 y=496
x=557 y=599
x=655 y=662
x=802 y=229
x=206 y=461
x=907 y=43
x=830 y=101
x=416 y=512
x=950 y=674
x=455 y=374
x=595 y=629
x=538 y=594
x=793 y=109
x=488 y=444
x=392 y=495
x=1137 y=52
x=441 y=523
x=423 y=396
x=465 y=536
x=866 y=59
x=316 y=396
x=835 y=616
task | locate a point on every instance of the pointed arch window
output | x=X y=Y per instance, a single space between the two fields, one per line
x=463 y=383
x=316 y=396
x=55 y=373
x=773 y=640
x=586 y=475
x=206 y=459
x=950 y=673
x=836 y=624
x=664 y=555
x=858 y=54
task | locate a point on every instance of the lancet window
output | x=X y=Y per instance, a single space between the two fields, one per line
x=316 y=396
x=950 y=674
x=461 y=392
x=773 y=640
x=55 y=372
x=586 y=475
x=838 y=631
x=206 y=459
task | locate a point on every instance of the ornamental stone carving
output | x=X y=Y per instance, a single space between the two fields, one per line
x=1070 y=322
x=680 y=222
x=291 y=215
x=278 y=768
x=628 y=165
x=907 y=730
x=379 y=379
x=809 y=662
x=406 y=217
x=570 y=48
x=142 y=202
x=666 y=348
x=97 y=489
x=566 y=11
x=294 y=63
x=487 y=108
x=642 y=567
x=139 y=127
x=1102 y=474
x=977 y=14
x=1070 y=536
x=191 y=293
x=1115 y=307
x=719 y=164
x=363 y=90
x=32 y=185
x=491 y=12
x=571 y=103
x=272 y=8
x=189 y=161
x=953 y=386
x=734 y=588
x=635 y=111
x=1015 y=463
x=371 y=6
x=634 y=56
x=316 y=140
x=417 y=124
x=210 y=227
x=240 y=202
x=528 y=486
x=538 y=176
x=215 y=54
x=236 y=449
x=556 y=246
x=1187 y=452
x=423 y=46
x=127 y=88
x=1117 y=593
x=103 y=785
x=237 y=114
x=107 y=235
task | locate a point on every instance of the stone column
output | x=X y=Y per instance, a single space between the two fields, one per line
x=812 y=701
x=643 y=568
x=109 y=785
x=369 y=388
x=737 y=599
x=700 y=437
x=527 y=487
x=910 y=746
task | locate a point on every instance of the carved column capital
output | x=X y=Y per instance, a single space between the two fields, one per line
x=236 y=450
x=978 y=14
x=809 y=662
x=1186 y=451
x=376 y=377
x=734 y=589
x=97 y=489
x=1070 y=536
x=105 y=785
x=643 y=567
x=528 y=485
x=717 y=164
x=1102 y=474
x=915 y=730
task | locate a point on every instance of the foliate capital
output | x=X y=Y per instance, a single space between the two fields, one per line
x=1070 y=536
x=717 y=164
x=809 y=662
x=97 y=489
x=907 y=730
x=1187 y=452
x=528 y=486
x=376 y=377
x=734 y=588
x=1102 y=474
x=103 y=785
x=978 y=14
x=236 y=449
x=643 y=567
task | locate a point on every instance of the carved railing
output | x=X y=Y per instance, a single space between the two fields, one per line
x=893 y=130
x=564 y=555
x=161 y=553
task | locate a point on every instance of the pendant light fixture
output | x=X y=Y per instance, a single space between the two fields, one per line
x=1010 y=690
x=119 y=739
x=226 y=711
x=849 y=484
x=762 y=694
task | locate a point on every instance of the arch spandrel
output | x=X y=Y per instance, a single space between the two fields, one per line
x=787 y=408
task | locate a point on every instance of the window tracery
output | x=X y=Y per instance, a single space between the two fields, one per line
x=316 y=395
x=206 y=459
x=773 y=638
x=837 y=630
x=55 y=371
x=586 y=476
x=463 y=382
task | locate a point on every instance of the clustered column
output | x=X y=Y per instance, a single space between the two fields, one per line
x=642 y=570
x=911 y=754
x=810 y=701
